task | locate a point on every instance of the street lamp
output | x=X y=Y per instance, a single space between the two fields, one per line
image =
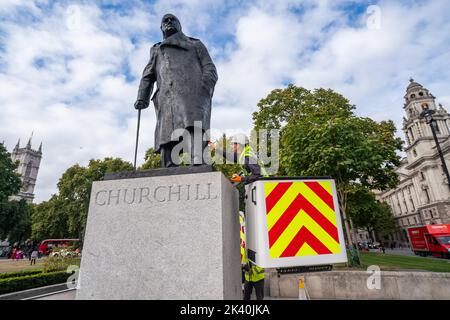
x=427 y=114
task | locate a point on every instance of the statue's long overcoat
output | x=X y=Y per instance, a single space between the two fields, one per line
x=186 y=77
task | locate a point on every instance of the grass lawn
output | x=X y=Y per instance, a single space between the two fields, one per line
x=8 y=265
x=393 y=262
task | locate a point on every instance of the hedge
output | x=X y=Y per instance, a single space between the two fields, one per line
x=32 y=281
x=20 y=273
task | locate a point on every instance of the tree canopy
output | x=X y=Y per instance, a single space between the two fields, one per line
x=369 y=214
x=9 y=179
x=152 y=160
x=322 y=136
x=15 y=221
x=65 y=214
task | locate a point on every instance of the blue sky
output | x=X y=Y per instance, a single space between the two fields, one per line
x=69 y=70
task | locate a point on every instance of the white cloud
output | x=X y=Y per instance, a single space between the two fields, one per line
x=75 y=83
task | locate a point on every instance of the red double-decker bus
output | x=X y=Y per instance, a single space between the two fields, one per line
x=47 y=245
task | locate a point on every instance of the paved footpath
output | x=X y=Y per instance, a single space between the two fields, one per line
x=70 y=295
x=398 y=252
x=66 y=295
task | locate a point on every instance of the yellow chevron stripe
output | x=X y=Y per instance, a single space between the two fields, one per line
x=321 y=234
x=286 y=237
x=316 y=201
x=268 y=187
x=327 y=186
x=296 y=224
x=277 y=211
x=306 y=250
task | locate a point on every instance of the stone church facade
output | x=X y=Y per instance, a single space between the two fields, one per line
x=423 y=195
x=29 y=162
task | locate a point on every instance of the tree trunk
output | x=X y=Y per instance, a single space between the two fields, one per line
x=342 y=207
x=370 y=234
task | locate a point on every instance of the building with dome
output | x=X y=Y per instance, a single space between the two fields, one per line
x=423 y=195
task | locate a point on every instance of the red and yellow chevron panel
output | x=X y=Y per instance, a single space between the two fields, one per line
x=301 y=219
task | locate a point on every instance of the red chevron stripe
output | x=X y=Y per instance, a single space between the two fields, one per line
x=304 y=235
x=284 y=221
x=318 y=217
x=294 y=208
x=321 y=192
x=276 y=195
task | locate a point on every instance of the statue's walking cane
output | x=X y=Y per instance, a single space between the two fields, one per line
x=137 y=138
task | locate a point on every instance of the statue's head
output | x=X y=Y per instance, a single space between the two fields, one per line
x=170 y=25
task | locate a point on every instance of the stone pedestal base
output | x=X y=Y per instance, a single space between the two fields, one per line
x=163 y=237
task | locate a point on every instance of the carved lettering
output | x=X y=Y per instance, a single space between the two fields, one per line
x=161 y=194
x=96 y=198
x=142 y=195
x=209 y=192
x=175 y=193
x=111 y=196
x=197 y=196
x=188 y=192
x=125 y=196
x=156 y=190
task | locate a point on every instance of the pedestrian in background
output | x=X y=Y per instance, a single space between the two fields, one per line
x=13 y=253
x=34 y=256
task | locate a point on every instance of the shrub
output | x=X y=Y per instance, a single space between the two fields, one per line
x=14 y=284
x=20 y=273
x=59 y=263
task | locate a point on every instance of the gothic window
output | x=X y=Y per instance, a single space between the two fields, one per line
x=427 y=196
x=424 y=106
x=434 y=213
x=418 y=129
x=411 y=133
x=28 y=169
x=422 y=175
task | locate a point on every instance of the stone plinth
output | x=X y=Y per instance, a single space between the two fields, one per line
x=163 y=237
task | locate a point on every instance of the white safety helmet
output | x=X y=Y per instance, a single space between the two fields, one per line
x=240 y=138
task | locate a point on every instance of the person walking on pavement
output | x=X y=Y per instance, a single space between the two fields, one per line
x=33 y=256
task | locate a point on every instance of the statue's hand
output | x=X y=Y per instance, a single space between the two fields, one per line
x=140 y=104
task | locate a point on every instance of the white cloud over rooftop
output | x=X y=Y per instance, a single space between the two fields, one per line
x=75 y=84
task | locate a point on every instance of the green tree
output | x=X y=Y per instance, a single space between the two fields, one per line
x=15 y=221
x=369 y=214
x=322 y=136
x=152 y=160
x=220 y=163
x=75 y=188
x=49 y=220
x=9 y=179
